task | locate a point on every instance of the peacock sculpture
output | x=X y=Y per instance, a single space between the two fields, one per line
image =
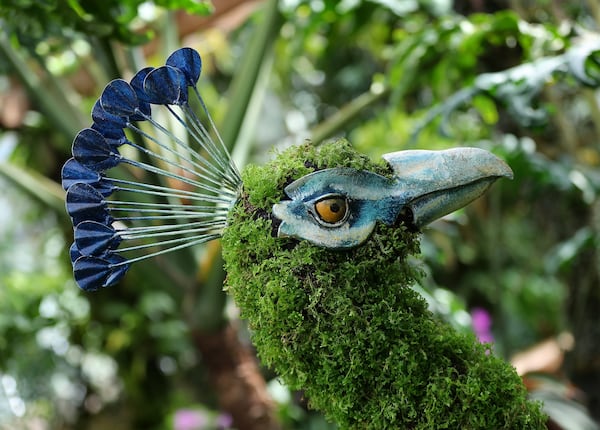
x=316 y=246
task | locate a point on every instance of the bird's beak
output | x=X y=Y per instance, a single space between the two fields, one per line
x=437 y=183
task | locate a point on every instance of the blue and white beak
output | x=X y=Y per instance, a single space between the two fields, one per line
x=439 y=182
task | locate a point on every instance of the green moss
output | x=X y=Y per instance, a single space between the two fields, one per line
x=346 y=327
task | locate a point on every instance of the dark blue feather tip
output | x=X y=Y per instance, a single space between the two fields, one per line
x=93 y=273
x=137 y=83
x=85 y=203
x=119 y=99
x=111 y=126
x=74 y=172
x=166 y=86
x=92 y=150
x=149 y=176
x=189 y=62
x=95 y=238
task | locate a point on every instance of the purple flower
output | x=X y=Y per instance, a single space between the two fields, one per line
x=482 y=324
x=224 y=421
x=189 y=419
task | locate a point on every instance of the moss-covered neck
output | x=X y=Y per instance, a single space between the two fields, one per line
x=346 y=327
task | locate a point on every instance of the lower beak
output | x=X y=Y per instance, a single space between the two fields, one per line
x=440 y=182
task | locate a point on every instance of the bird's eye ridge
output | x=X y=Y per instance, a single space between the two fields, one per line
x=331 y=210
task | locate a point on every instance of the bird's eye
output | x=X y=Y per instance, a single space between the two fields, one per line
x=331 y=210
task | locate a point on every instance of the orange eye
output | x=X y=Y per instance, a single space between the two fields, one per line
x=331 y=210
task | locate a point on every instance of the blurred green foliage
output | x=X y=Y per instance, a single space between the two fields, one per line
x=51 y=23
x=516 y=77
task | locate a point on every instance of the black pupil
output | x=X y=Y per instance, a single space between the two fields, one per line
x=335 y=207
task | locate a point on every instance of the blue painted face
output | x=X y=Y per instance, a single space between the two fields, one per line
x=338 y=208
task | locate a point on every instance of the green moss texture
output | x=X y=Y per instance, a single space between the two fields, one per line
x=346 y=327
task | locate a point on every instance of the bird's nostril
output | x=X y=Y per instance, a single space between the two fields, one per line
x=406 y=218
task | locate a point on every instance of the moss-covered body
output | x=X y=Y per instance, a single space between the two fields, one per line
x=346 y=327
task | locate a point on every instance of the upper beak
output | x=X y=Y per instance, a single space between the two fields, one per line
x=440 y=182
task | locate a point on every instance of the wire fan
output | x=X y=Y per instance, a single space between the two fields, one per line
x=176 y=183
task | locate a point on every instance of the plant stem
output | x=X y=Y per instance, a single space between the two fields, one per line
x=235 y=374
x=242 y=91
x=346 y=114
x=53 y=105
x=240 y=387
x=37 y=186
x=244 y=81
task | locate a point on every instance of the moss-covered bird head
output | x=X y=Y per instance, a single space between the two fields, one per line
x=315 y=246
